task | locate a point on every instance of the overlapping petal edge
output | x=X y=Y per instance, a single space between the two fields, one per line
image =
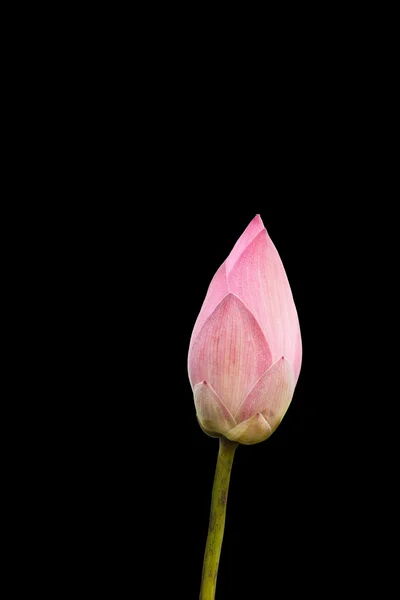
x=268 y=397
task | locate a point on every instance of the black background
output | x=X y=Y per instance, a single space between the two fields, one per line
x=139 y=156
x=147 y=472
x=161 y=179
x=141 y=234
x=163 y=214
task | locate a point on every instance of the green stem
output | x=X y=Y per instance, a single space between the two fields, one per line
x=217 y=518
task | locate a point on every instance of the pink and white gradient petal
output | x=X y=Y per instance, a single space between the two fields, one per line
x=230 y=352
x=271 y=395
x=259 y=279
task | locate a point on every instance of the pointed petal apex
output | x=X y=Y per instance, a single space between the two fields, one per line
x=259 y=279
x=271 y=395
x=230 y=352
x=253 y=229
x=254 y=430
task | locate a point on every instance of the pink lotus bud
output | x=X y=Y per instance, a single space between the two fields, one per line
x=245 y=350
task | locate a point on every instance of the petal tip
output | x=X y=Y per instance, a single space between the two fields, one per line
x=252 y=431
x=252 y=230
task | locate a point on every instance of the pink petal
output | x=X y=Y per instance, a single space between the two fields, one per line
x=298 y=354
x=230 y=352
x=271 y=395
x=218 y=287
x=252 y=431
x=212 y=414
x=254 y=227
x=258 y=278
x=217 y=290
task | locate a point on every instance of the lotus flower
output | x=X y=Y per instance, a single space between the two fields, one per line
x=245 y=350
